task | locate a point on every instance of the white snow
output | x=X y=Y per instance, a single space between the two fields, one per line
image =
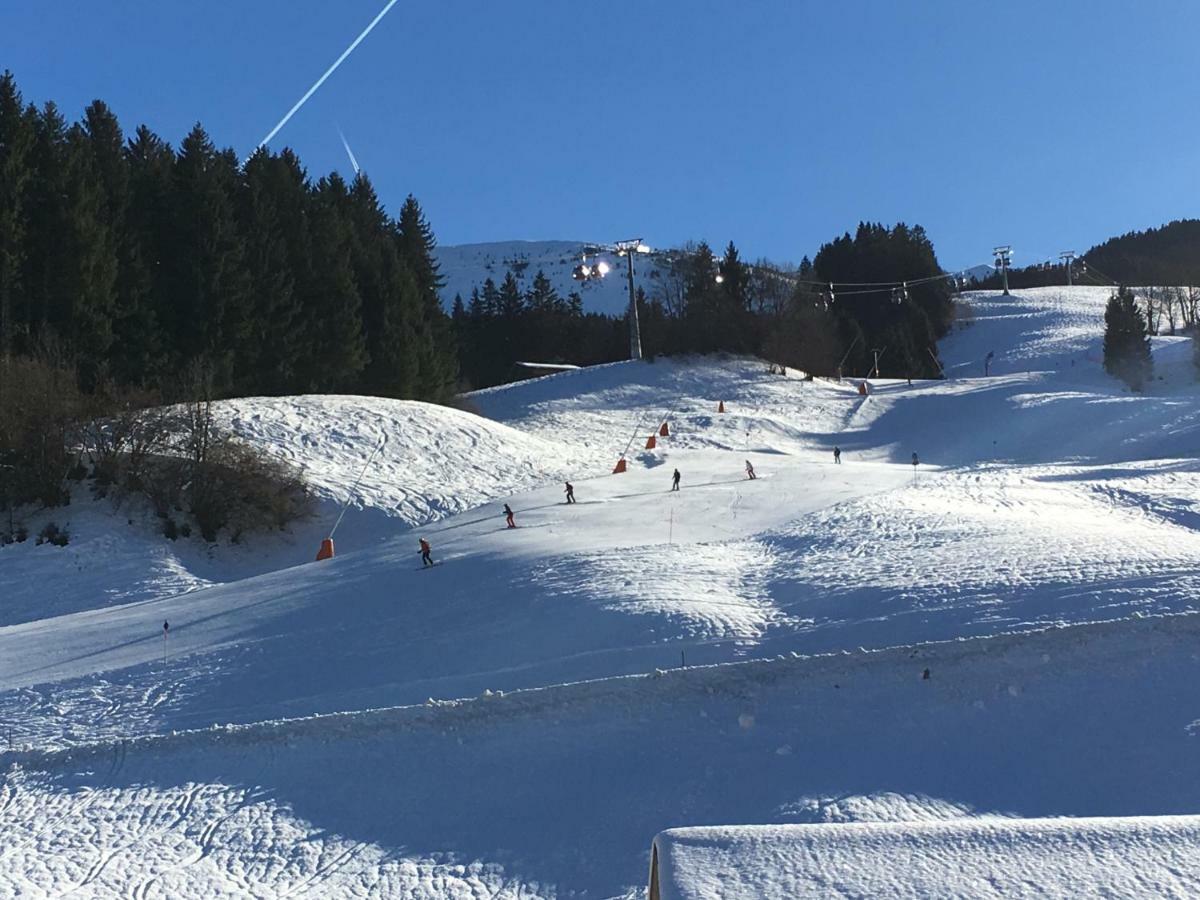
x=343 y=762
x=1132 y=857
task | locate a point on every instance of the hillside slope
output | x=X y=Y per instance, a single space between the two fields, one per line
x=1046 y=496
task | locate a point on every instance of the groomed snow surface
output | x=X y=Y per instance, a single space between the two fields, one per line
x=643 y=659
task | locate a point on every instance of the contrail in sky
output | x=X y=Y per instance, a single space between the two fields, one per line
x=349 y=152
x=320 y=81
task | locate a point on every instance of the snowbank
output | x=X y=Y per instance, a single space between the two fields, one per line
x=1118 y=857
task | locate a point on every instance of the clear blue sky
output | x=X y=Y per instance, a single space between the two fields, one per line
x=1047 y=125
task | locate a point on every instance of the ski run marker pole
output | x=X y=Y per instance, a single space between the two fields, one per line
x=353 y=487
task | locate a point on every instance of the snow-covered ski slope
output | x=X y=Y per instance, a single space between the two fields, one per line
x=1083 y=509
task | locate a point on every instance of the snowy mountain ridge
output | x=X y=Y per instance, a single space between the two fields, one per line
x=466 y=266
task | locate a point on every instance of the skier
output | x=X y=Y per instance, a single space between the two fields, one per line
x=570 y=492
x=508 y=516
x=916 y=461
x=675 y=481
x=749 y=470
x=426 y=559
x=837 y=455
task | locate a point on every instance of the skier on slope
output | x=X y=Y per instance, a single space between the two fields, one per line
x=750 y=470
x=916 y=462
x=837 y=455
x=426 y=559
x=508 y=516
x=675 y=481
x=570 y=492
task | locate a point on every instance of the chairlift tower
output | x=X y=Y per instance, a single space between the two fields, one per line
x=1003 y=255
x=1068 y=258
x=584 y=272
x=628 y=249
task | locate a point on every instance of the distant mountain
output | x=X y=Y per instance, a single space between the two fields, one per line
x=467 y=266
x=978 y=273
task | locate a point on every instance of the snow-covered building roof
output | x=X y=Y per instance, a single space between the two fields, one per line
x=970 y=857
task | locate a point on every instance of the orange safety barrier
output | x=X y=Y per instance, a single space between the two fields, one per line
x=862 y=389
x=619 y=467
x=326 y=551
x=664 y=431
x=721 y=406
x=651 y=442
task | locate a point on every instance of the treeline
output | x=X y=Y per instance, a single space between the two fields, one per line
x=1169 y=255
x=501 y=326
x=134 y=260
x=703 y=303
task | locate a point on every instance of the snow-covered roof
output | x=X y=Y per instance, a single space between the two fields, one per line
x=981 y=857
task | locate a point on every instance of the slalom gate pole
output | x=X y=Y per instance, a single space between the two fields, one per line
x=350 y=495
x=636 y=431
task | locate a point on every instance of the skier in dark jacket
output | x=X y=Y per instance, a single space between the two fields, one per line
x=426 y=559
x=837 y=455
x=508 y=516
x=675 y=481
x=570 y=492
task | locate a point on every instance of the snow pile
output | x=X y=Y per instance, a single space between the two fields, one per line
x=432 y=461
x=1133 y=857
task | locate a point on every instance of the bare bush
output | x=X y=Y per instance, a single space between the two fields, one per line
x=39 y=405
x=174 y=455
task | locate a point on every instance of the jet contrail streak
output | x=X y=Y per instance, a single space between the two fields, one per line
x=320 y=81
x=349 y=152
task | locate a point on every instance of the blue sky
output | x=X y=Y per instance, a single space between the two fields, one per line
x=776 y=124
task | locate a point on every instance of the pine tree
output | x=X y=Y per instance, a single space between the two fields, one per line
x=1126 y=340
x=335 y=339
x=46 y=300
x=136 y=343
x=490 y=299
x=144 y=285
x=272 y=204
x=391 y=309
x=92 y=271
x=16 y=168
x=209 y=280
x=542 y=297
x=436 y=355
x=71 y=264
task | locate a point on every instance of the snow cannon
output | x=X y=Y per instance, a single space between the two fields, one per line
x=326 y=551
